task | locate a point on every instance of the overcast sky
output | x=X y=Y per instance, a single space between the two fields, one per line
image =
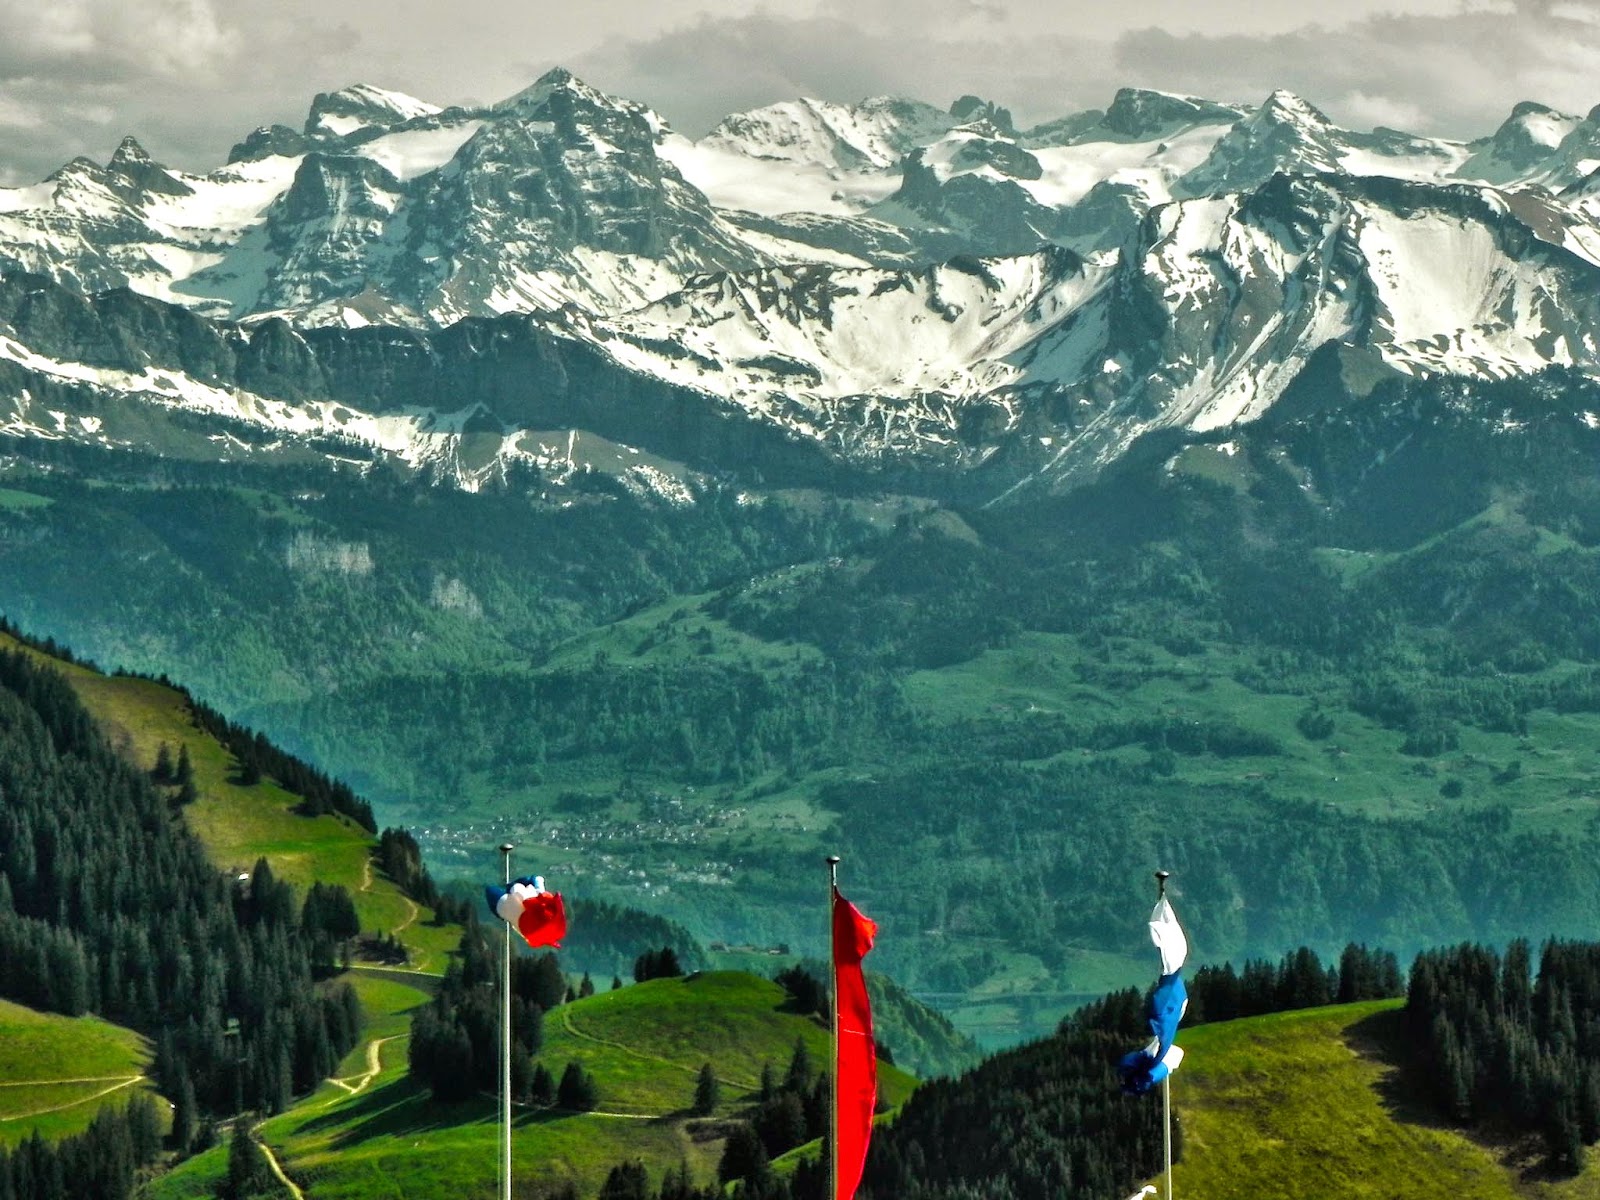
x=191 y=77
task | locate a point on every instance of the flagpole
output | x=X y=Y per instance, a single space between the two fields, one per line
x=505 y=1036
x=1166 y=1082
x=833 y=1006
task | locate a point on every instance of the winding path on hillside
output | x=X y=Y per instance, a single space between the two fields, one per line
x=582 y=1112
x=566 y=1022
x=117 y=1082
x=412 y=909
x=277 y=1170
x=374 y=1066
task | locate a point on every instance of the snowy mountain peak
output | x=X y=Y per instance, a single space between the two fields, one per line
x=973 y=108
x=876 y=133
x=129 y=153
x=563 y=86
x=980 y=147
x=1533 y=127
x=1285 y=134
x=1525 y=147
x=362 y=106
x=133 y=164
x=1139 y=114
x=1285 y=107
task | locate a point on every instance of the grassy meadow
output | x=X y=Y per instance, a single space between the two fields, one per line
x=239 y=824
x=1309 y=1105
x=56 y=1072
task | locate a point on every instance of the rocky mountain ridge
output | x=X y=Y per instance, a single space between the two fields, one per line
x=884 y=289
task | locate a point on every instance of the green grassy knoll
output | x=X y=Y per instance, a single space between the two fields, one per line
x=11 y=498
x=239 y=824
x=1308 y=1105
x=56 y=1072
x=644 y=1044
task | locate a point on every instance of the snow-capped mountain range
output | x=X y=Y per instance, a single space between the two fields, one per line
x=886 y=286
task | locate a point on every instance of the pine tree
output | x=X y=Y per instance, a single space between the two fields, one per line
x=577 y=1089
x=586 y=987
x=248 y=1172
x=162 y=772
x=707 y=1092
x=743 y=1157
x=799 y=1075
x=627 y=1181
x=542 y=1088
x=184 y=1115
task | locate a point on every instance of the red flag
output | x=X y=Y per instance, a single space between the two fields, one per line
x=855 y=1067
x=544 y=919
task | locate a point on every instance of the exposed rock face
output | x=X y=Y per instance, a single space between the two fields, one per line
x=1139 y=115
x=879 y=290
x=1285 y=134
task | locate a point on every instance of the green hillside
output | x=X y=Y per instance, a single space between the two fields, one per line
x=356 y=1137
x=56 y=1072
x=1310 y=1105
x=238 y=823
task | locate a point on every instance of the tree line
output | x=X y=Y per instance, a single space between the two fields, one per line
x=455 y=1041
x=1503 y=1046
x=109 y=905
x=106 y=1160
x=257 y=757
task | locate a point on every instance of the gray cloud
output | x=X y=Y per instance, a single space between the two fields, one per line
x=189 y=77
x=115 y=39
x=701 y=72
x=1455 y=75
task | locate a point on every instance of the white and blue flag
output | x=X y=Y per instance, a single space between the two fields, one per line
x=1143 y=1069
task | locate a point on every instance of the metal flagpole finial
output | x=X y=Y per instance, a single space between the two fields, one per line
x=1161 y=883
x=833 y=866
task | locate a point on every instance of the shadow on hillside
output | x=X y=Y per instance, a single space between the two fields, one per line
x=393 y=1109
x=1384 y=1039
x=402 y=1108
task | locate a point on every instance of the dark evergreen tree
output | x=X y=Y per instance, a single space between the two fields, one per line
x=577 y=1089
x=799 y=1076
x=248 y=1173
x=657 y=964
x=542 y=1087
x=626 y=1181
x=743 y=1156
x=707 y=1092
